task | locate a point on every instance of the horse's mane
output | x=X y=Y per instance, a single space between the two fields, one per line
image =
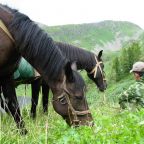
x=83 y=58
x=36 y=46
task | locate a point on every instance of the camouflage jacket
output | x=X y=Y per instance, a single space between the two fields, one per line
x=134 y=92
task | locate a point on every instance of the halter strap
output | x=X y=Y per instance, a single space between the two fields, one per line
x=71 y=110
x=74 y=112
x=4 y=28
x=94 y=70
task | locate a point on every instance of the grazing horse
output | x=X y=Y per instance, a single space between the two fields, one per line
x=38 y=48
x=84 y=60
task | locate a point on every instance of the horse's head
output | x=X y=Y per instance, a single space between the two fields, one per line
x=97 y=73
x=69 y=98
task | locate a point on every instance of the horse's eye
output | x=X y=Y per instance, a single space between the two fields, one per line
x=63 y=100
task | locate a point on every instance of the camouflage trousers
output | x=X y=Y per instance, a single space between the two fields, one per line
x=125 y=101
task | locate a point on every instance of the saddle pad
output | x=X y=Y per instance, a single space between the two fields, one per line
x=24 y=71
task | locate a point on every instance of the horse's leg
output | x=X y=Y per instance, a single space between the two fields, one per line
x=2 y=102
x=45 y=96
x=12 y=103
x=35 y=87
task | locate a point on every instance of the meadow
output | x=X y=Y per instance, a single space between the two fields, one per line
x=112 y=125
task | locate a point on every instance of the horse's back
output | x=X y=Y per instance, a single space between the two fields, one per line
x=8 y=55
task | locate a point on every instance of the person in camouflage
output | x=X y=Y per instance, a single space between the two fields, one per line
x=135 y=93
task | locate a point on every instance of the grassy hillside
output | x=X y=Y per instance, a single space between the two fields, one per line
x=108 y=35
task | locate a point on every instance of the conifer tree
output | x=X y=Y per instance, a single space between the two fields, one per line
x=124 y=61
x=117 y=69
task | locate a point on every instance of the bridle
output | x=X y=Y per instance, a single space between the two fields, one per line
x=75 y=113
x=66 y=96
x=95 y=69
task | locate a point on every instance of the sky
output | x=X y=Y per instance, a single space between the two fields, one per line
x=61 y=12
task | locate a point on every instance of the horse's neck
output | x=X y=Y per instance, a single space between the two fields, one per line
x=37 y=47
x=86 y=63
x=84 y=59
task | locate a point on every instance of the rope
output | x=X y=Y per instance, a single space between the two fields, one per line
x=4 y=28
x=94 y=70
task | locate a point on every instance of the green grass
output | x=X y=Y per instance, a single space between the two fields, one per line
x=112 y=125
x=23 y=90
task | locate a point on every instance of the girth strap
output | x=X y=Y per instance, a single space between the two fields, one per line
x=4 y=28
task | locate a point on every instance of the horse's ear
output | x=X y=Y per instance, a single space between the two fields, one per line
x=69 y=72
x=100 y=54
x=74 y=66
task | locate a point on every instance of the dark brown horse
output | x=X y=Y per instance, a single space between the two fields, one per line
x=85 y=60
x=41 y=52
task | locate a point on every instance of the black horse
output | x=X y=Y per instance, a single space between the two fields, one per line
x=41 y=52
x=86 y=60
